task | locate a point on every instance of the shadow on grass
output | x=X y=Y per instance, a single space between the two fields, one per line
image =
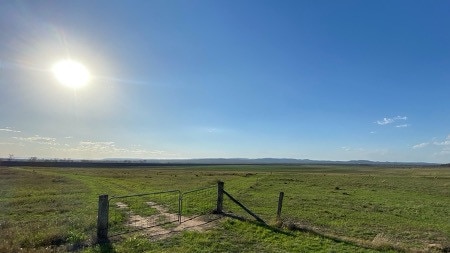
x=106 y=247
x=347 y=240
x=292 y=227
x=259 y=224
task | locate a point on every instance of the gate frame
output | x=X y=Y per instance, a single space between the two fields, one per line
x=103 y=211
x=152 y=193
x=104 y=203
x=192 y=191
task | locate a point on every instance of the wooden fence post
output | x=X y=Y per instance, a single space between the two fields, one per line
x=102 y=219
x=280 y=205
x=219 y=208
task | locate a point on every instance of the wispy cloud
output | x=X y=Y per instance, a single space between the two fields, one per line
x=387 y=121
x=97 y=145
x=445 y=151
x=421 y=145
x=38 y=139
x=70 y=147
x=7 y=143
x=350 y=149
x=108 y=148
x=402 y=126
x=445 y=142
x=346 y=148
x=211 y=130
x=441 y=147
x=442 y=143
x=9 y=129
x=364 y=153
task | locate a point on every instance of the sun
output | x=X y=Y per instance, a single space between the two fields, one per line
x=71 y=73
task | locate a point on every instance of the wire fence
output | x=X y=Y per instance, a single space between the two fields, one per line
x=167 y=211
x=142 y=211
x=198 y=202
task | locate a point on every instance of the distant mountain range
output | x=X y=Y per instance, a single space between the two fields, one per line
x=129 y=162
x=249 y=161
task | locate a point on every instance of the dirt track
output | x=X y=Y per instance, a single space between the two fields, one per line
x=163 y=223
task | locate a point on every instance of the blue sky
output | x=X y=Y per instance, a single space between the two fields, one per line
x=326 y=80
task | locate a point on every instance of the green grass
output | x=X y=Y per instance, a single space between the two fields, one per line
x=236 y=236
x=345 y=209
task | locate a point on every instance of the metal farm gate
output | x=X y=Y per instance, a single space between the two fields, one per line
x=136 y=212
x=147 y=211
x=165 y=211
x=198 y=202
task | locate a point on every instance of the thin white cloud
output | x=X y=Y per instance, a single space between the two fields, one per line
x=384 y=121
x=109 y=148
x=8 y=129
x=38 y=139
x=97 y=143
x=211 y=130
x=360 y=153
x=445 y=142
x=92 y=146
x=442 y=143
x=402 y=126
x=350 y=149
x=441 y=147
x=387 y=121
x=421 y=145
x=444 y=152
x=68 y=147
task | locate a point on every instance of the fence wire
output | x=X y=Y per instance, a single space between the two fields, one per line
x=142 y=211
x=232 y=209
x=199 y=202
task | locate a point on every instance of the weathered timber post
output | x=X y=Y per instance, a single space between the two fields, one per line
x=102 y=219
x=219 y=208
x=280 y=205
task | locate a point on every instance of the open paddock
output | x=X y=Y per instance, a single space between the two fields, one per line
x=325 y=208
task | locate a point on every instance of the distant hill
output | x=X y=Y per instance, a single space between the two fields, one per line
x=124 y=162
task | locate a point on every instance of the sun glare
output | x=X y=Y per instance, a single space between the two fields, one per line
x=71 y=73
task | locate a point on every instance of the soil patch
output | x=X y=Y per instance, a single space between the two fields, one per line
x=163 y=223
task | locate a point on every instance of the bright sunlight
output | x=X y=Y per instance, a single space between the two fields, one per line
x=71 y=73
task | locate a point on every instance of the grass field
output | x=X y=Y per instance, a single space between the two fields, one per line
x=325 y=209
